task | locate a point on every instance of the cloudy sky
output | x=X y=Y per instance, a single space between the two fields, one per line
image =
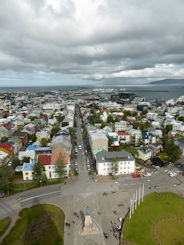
x=65 y=42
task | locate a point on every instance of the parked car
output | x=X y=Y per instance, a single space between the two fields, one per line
x=147 y=174
x=136 y=175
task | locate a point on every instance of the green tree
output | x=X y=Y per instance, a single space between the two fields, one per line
x=144 y=112
x=6 y=183
x=32 y=137
x=26 y=159
x=61 y=166
x=4 y=139
x=44 y=142
x=114 y=167
x=181 y=118
x=54 y=130
x=110 y=119
x=171 y=149
x=32 y=118
x=60 y=118
x=15 y=162
x=126 y=113
x=38 y=174
x=71 y=130
x=110 y=141
x=169 y=127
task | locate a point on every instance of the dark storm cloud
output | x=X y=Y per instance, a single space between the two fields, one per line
x=101 y=39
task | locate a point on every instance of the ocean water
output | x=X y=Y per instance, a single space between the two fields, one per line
x=149 y=92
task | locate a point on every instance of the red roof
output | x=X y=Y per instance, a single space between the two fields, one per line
x=120 y=116
x=44 y=159
x=170 y=135
x=56 y=154
x=7 y=125
x=7 y=147
x=123 y=133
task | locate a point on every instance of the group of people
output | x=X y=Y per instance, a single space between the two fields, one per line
x=67 y=224
x=75 y=214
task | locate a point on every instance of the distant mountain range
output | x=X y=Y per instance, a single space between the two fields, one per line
x=170 y=82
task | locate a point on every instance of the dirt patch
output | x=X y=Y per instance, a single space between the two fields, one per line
x=35 y=230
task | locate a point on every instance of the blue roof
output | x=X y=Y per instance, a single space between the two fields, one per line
x=18 y=168
x=152 y=135
x=145 y=135
x=32 y=147
x=28 y=166
x=108 y=130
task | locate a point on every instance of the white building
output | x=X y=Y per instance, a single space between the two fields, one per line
x=30 y=154
x=27 y=170
x=125 y=162
x=124 y=137
x=145 y=153
x=120 y=126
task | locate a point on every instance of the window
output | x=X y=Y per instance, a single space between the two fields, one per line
x=26 y=173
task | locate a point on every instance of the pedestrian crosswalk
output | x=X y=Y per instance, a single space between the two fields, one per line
x=5 y=209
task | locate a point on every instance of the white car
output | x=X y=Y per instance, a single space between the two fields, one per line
x=172 y=174
x=147 y=174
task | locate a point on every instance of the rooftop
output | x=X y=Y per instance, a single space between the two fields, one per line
x=104 y=156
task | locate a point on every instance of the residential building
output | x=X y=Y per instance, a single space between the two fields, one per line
x=124 y=137
x=144 y=153
x=28 y=170
x=105 y=160
x=121 y=126
x=98 y=140
x=23 y=136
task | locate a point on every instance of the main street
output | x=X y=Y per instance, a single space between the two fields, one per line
x=84 y=192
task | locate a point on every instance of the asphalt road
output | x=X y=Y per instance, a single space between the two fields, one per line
x=76 y=196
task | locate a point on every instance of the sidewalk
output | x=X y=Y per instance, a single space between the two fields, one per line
x=13 y=220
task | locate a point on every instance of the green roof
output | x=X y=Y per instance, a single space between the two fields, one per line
x=96 y=151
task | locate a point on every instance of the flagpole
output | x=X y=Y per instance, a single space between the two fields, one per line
x=142 y=192
x=136 y=200
x=130 y=207
x=133 y=204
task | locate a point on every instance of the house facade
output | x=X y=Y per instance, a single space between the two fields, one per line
x=104 y=162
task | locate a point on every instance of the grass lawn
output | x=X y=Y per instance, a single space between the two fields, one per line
x=172 y=232
x=4 y=224
x=41 y=224
x=27 y=186
x=159 y=211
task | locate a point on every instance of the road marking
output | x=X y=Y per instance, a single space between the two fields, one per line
x=15 y=203
x=46 y=194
